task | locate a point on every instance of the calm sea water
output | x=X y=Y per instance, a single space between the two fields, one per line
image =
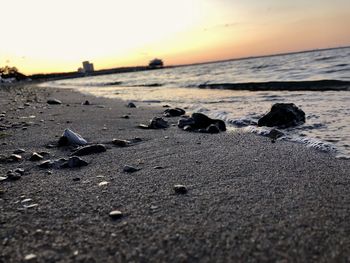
x=328 y=112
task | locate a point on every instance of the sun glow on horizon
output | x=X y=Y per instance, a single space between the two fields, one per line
x=52 y=36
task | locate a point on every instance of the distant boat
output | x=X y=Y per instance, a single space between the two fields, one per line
x=156 y=63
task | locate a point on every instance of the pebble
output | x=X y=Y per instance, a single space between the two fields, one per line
x=75 y=161
x=54 y=102
x=130 y=169
x=30 y=206
x=86 y=102
x=158 y=167
x=125 y=117
x=121 y=143
x=30 y=257
x=35 y=157
x=180 y=189
x=173 y=112
x=3 y=178
x=75 y=179
x=131 y=105
x=116 y=214
x=103 y=183
x=26 y=104
x=19 y=171
x=13 y=176
x=90 y=149
x=26 y=200
x=19 y=151
x=14 y=158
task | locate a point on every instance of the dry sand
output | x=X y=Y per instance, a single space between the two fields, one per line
x=248 y=200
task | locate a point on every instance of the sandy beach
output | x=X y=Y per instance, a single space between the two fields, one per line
x=248 y=200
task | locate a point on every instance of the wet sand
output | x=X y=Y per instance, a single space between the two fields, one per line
x=248 y=200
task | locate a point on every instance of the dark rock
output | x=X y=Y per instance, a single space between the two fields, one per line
x=174 y=112
x=19 y=151
x=131 y=105
x=125 y=116
x=19 y=171
x=275 y=134
x=116 y=214
x=54 y=102
x=180 y=189
x=90 y=149
x=158 y=167
x=86 y=102
x=121 y=143
x=283 y=115
x=46 y=164
x=158 y=123
x=185 y=121
x=62 y=141
x=75 y=179
x=166 y=106
x=35 y=157
x=74 y=162
x=201 y=123
x=130 y=169
x=13 y=176
x=213 y=129
x=155 y=123
x=14 y=158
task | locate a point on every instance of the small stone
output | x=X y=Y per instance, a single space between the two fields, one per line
x=46 y=164
x=76 y=179
x=103 y=183
x=104 y=129
x=30 y=257
x=130 y=169
x=26 y=104
x=54 y=102
x=13 y=176
x=158 y=167
x=173 y=112
x=26 y=200
x=86 y=102
x=116 y=214
x=75 y=161
x=121 y=143
x=19 y=151
x=3 y=178
x=30 y=206
x=14 y=158
x=125 y=117
x=131 y=105
x=35 y=157
x=90 y=149
x=19 y=171
x=180 y=189
x=49 y=172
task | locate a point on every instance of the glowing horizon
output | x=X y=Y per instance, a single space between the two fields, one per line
x=56 y=36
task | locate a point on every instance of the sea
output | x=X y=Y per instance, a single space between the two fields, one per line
x=210 y=88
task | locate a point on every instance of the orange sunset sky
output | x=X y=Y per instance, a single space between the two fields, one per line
x=41 y=36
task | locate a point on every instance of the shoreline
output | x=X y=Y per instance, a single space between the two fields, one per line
x=248 y=199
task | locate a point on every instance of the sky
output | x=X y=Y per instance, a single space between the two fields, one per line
x=42 y=36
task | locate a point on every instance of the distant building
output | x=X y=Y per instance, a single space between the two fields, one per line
x=87 y=67
x=156 y=63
